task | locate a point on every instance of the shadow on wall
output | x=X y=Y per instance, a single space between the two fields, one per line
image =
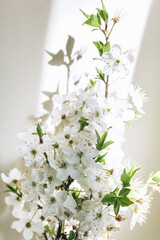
x=23 y=27
x=69 y=59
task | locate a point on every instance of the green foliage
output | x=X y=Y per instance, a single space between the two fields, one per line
x=49 y=230
x=116 y=207
x=125 y=179
x=92 y=20
x=83 y=123
x=100 y=75
x=75 y=194
x=101 y=144
x=101 y=158
x=102 y=48
x=11 y=189
x=124 y=201
x=92 y=83
x=71 y=235
x=115 y=192
x=103 y=14
x=127 y=175
x=95 y=21
x=85 y=14
x=103 y=6
x=40 y=133
x=118 y=199
x=109 y=198
x=124 y=192
x=67 y=136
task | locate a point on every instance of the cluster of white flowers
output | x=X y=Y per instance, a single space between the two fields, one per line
x=74 y=166
x=78 y=185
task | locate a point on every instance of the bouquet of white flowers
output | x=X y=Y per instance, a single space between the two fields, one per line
x=78 y=184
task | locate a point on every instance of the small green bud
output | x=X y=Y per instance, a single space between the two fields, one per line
x=33 y=152
x=67 y=136
x=34 y=184
x=50 y=178
x=63 y=117
x=42 y=218
x=28 y=225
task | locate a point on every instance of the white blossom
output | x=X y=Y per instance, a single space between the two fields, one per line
x=14 y=176
x=116 y=62
x=137 y=97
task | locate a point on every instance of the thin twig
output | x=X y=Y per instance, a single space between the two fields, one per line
x=59 y=231
x=110 y=32
x=107 y=83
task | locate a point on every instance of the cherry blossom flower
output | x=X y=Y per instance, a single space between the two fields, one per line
x=137 y=97
x=116 y=62
x=14 y=176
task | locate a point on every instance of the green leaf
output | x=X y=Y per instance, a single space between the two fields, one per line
x=106 y=47
x=116 y=207
x=98 y=137
x=132 y=171
x=103 y=6
x=109 y=198
x=100 y=141
x=101 y=158
x=88 y=22
x=106 y=144
x=75 y=193
x=92 y=20
x=39 y=131
x=101 y=75
x=124 y=192
x=115 y=192
x=99 y=46
x=95 y=20
x=125 y=201
x=103 y=14
x=127 y=176
x=40 y=134
x=83 y=123
x=103 y=138
x=11 y=188
x=48 y=230
x=102 y=48
x=85 y=14
x=92 y=82
x=125 y=179
x=95 y=29
x=71 y=235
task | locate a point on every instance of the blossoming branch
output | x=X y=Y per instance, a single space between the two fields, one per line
x=78 y=184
